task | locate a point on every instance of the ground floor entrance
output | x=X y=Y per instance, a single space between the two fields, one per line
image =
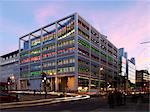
x=61 y=84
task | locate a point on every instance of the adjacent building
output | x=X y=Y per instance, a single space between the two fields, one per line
x=9 y=67
x=131 y=70
x=142 y=79
x=126 y=69
x=123 y=60
x=67 y=48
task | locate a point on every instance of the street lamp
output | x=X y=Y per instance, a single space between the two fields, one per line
x=12 y=77
x=99 y=77
x=13 y=81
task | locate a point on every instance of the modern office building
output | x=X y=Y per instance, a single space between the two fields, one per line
x=67 y=48
x=143 y=79
x=123 y=59
x=131 y=70
x=126 y=70
x=9 y=67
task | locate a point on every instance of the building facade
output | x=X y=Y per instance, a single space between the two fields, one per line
x=131 y=71
x=69 y=47
x=122 y=62
x=143 y=79
x=9 y=67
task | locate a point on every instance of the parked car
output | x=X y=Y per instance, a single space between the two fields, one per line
x=5 y=97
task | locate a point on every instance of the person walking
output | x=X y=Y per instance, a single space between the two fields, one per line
x=111 y=99
x=124 y=98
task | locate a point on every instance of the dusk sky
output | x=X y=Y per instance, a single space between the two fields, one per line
x=125 y=22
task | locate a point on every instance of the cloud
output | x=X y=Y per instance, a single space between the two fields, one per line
x=127 y=28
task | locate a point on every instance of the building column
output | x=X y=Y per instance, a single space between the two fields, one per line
x=51 y=84
x=76 y=83
x=76 y=53
x=56 y=83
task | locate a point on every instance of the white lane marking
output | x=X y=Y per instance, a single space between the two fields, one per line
x=44 y=103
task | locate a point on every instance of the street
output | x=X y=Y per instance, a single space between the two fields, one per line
x=81 y=105
x=93 y=104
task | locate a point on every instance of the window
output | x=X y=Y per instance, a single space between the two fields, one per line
x=66 y=35
x=49 y=54
x=49 y=47
x=49 y=37
x=83 y=70
x=35 y=42
x=48 y=64
x=35 y=51
x=66 y=69
x=66 y=61
x=50 y=72
x=65 y=43
x=83 y=43
x=83 y=25
x=65 y=51
x=84 y=35
x=82 y=52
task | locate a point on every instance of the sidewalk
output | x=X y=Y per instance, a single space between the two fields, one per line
x=29 y=97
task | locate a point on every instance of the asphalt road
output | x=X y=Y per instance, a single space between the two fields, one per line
x=94 y=104
x=81 y=105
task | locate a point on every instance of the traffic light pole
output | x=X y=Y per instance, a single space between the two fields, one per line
x=44 y=79
x=45 y=88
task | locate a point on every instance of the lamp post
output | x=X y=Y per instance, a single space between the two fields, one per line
x=44 y=79
x=125 y=83
x=13 y=81
x=9 y=82
x=100 y=78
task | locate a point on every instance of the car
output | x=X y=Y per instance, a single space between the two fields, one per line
x=5 y=97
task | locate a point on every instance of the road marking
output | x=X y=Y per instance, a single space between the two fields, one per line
x=30 y=103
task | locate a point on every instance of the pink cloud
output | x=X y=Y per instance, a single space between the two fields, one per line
x=126 y=28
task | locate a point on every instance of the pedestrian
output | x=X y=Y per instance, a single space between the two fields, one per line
x=17 y=97
x=124 y=98
x=140 y=97
x=111 y=99
x=118 y=98
x=136 y=98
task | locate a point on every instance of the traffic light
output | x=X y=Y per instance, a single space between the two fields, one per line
x=43 y=76
x=8 y=80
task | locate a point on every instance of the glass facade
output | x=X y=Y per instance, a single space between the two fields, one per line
x=71 y=48
x=131 y=72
